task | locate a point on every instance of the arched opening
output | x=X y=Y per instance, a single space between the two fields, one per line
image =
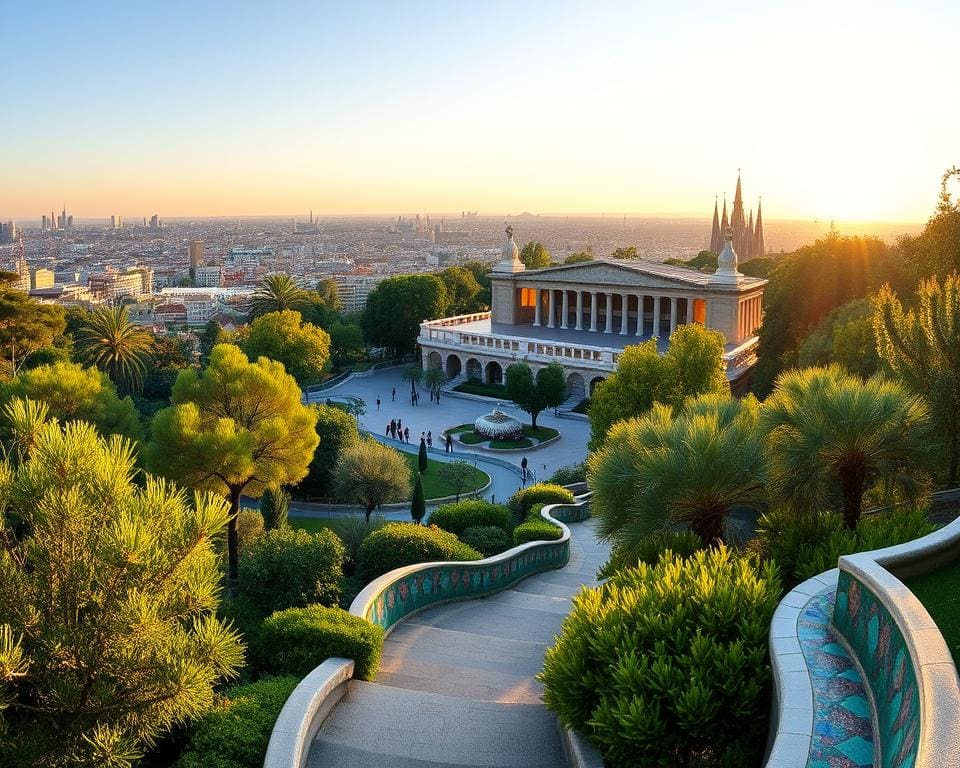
x=494 y=373
x=576 y=385
x=434 y=360
x=454 y=366
x=474 y=370
x=593 y=384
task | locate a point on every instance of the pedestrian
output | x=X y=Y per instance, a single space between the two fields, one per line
x=523 y=469
x=393 y=395
x=449 y=443
x=378 y=404
x=400 y=426
x=388 y=431
x=429 y=439
x=393 y=428
x=406 y=434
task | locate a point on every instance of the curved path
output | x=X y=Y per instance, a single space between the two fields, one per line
x=457 y=687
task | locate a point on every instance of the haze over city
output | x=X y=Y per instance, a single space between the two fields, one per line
x=230 y=109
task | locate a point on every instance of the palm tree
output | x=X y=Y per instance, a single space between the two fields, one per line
x=413 y=374
x=831 y=436
x=276 y=293
x=664 y=470
x=434 y=378
x=116 y=345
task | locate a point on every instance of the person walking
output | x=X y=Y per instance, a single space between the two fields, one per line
x=449 y=443
x=523 y=469
x=400 y=426
x=378 y=405
x=393 y=395
x=429 y=439
x=406 y=434
x=388 y=430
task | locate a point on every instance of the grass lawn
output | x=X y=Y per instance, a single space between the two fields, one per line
x=479 y=388
x=461 y=428
x=472 y=439
x=540 y=433
x=939 y=591
x=503 y=444
x=435 y=487
x=531 y=437
x=313 y=524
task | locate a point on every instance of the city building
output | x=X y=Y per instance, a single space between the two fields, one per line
x=112 y=284
x=207 y=277
x=747 y=234
x=354 y=290
x=41 y=278
x=116 y=222
x=8 y=232
x=584 y=315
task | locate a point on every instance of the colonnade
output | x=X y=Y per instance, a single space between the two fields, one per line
x=751 y=316
x=588 y=314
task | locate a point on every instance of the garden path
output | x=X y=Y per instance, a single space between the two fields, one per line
x=457 y=684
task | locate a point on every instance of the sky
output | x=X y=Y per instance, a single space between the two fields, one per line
x=832 y=109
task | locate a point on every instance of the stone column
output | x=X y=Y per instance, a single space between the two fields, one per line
x=640 y=314
x=689 y=311
x=609 y=328
x=656 y=317
x=593 y=311
x=579 y=325
x=536 y=307
x=673 y=315
x=564 y=308
x=624 y=312
x=552 y=308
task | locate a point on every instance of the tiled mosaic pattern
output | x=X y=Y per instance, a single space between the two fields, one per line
x=842 y=731
x=880 y=649
x=570 y=513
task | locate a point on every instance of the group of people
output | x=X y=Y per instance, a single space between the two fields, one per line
x=397 y=431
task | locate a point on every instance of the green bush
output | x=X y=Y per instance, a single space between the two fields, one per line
x=294 y=641
x=535 y=529
x=651 y=549
x=542 y=493
x=667 y=665
x=352 y=531
x=249 y=527
x=487 y=539
x=456 y=518
x=236 y=732
x=805 y=545
x=399 y=544
x=290 y=568
x=574 y=473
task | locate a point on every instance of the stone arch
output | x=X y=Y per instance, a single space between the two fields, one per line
x=454 y=366
x=494 y=373
x=593 y=383
x=576 y=385
x=434 y=360
x=474 y=370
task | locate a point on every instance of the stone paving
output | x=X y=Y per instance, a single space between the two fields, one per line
x=457 y=687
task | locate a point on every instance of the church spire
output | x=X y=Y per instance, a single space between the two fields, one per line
x=738 y=221
x=716 y=235
x=759 y=249
x=748 y=239
x=724 y=222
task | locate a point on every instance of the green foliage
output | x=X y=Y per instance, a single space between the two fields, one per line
x=397 y=306
x=399 y=544
x=667 y=665
x=21 y=422
x=208 y=338
x=630 y=252
x=289 y=568
x=456 y=518
x=277 y=293
x=142 y=649
x=275 y=508
x=463 y=291
x=487 y=539
x=418 y=505
x=352 y=531
x=523 y=501
x=236 y=733
x=580 y=257
x=168 y=356
x=116 y=345
x=650 y=549
x=535 y=256
x=475 y=387
x=295 y=641
x=237 y=428
x=459 y=475
x=337 y=431
x=820 y=347
x=535 y=528
x=830 y=437
x=422 y=461
x=569 y=475
x=249 y=527
x=26 y=325
x=935 y=252
x=688 y=469
x=692 y=365
x=548 y=389
x=304 y=349
x=346 y=343
x=72 y=392
x=920 y=346
x=704 y=261
x=371 y=473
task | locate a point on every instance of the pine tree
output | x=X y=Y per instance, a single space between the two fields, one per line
x=275 y=508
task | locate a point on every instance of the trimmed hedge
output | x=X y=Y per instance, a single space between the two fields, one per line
x=294 y=641
x=487 y=539
x=289 y=568
x=570 y=474
x=668 y=665
x=235 y=733
x=456 y=518
x=542 y=493
x=536 y=529
x=399 y=544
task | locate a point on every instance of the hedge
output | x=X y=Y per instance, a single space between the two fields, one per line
x=399 y=544
x=487 y=539
x=294 y=641
x=456 y=518
x=536 y=529
x=542 y=493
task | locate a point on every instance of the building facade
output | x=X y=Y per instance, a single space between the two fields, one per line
x=584 y=315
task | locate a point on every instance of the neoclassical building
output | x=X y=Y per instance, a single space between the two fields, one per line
x=584 y=315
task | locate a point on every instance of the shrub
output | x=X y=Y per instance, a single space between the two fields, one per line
x=249 y=527
x=668 y=665
x=456 y=518
x=651 y=549
x=294 y=641
x=289 y=568
x=536 y=529
x=487 y=539
x=574 y=473
x=399 y=544
x=352 y=531
x=542 y=493
x=236 y=732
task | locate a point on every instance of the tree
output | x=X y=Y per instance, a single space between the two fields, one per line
x=456 y=474
x=397 y=306
x=830 y=437
x=422 y=460
x=922 y=346
x=692 y=365
x=303 y=348
x=370 y=474
x=276 y=293
x=237 y=428
x=337 y=430
x=688 y=467
x=935 y=252
x=108 y=603
x=414 y=374
x=209 y=337
x=434 y=379
x=418 y=506
x=168 y=356
x=21 y=421
x=72 y=392
x=329 y=293
x=462 y=290
x=535 y=256
x=346 y=343
x=844 y=336
x=116 y=345
x=629 y=252
x=548 y=389
x=275 y=508
x=26 y=325
x=481 y=273
x=580 y=257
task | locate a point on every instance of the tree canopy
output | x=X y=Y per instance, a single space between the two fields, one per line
x=397 y=306
x=533 y=394
x=463 y=291
x=370 y=473
x=275 y=293
x=304 y=349
x=535 y=256
x=26 y=325
x=112 y=342
x=629 y=252
x=337 y=430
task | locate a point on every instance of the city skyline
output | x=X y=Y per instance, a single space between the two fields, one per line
x=225 y=111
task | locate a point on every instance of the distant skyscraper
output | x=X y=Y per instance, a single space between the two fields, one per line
x=70 y=222
x=154 y=221
x=196 y=254
x=44 y=222
x=747 y=234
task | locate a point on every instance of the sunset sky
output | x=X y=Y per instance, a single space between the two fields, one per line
x=845 y=110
